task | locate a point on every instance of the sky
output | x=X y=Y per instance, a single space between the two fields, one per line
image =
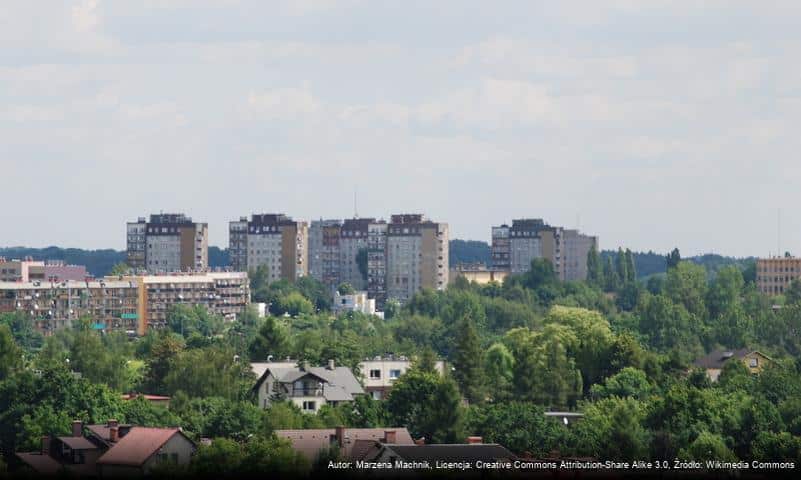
x=650 y=124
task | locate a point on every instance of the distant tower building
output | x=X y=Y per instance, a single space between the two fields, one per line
x=324 y=251
x=513 y=248
x=377 y=262
x=271 y=240
x=168 y=242
x=500 y=248
x=574 y=254
x=417 y=255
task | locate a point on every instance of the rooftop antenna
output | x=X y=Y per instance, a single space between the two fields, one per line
x=779 y=232
x=355 y=209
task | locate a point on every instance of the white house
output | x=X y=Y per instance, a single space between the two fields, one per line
x=355 y=302
x=379 y=373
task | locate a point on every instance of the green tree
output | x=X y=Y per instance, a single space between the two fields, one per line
x=793 y=292
x=346 y=289
x=673 y=258
x=273 y=339
x=685 y=284
x=499 y=371
x=613 y=428
x=293 y=304
x=166 y=348
x=611 y=277
x=708 y=446
x=361 y=263
x=594 y=268
x=621 y=266
x=466 y=357
x=519 y=426
x=10 y=354
x=631 y=268
x=629 y=382
x=429 y=405
x=118 y=269
x=211 y=371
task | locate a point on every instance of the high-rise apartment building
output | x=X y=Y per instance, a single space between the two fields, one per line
x=576 y=247
x=377 y=262
x=774 y=275
x=324 y=255
x=513 y=248
x=272 y=240
x=168 y=242
x=417 y=255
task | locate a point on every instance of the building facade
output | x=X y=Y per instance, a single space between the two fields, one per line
x=574 y=254
x=377 y=262
x=500 y=249
x=271 y=240
x=124 y=304
x=417 y=256
x=379 y=374
x=352 y=240
x=324 y=251
x=167 y=242
x=774 y=275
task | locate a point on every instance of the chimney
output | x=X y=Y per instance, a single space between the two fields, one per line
x=304 y=366
x=77 y=428
x=390 y=436
x=340 y=434
x=45 y=445
x=113 y=434
x=331 y=364
x=474 y=440
x=420 y=441
x=113 y=423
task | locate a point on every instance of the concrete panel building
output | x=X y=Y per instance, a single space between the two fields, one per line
x=168 y=242
x=574 y=254
x=377 y=262
x=774 y=275
x=353 y=238
x=324 y=251
x=272 y=240
x=417 y=255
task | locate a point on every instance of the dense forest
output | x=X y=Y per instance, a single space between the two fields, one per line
x=610 y=347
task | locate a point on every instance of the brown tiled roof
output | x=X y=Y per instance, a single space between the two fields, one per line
x=452 y=453
x=363 y=448
x=137 y=446
x=311 y=442
x=39 y=463
x=78 y=443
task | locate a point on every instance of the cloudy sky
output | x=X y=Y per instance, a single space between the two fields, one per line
x=651 y=124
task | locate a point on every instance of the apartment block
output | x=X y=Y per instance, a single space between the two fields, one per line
x=324 y=252
x=222 y=293
x=417 y=255
x=167 y=242
x=377 y=262
x=128 y=304
x=16 y=270
x=513 y=248
x=574 y=254
x=272 y=240
x=111 y=304
x=774 y=275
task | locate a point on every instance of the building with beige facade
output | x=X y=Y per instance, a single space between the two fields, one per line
x=167 y=242
x=477 y=273
x=379 y=374
x=417 y=256
x=130 y=304
x=774 y=275
x=513 y=248
x=271 y=240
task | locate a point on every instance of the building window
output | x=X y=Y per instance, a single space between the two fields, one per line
x=309 y=405
x=393 y=374
x=375 y=374
x=753 y=362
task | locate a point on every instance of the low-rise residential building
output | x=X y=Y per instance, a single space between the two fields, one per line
x=713 y=363
x=109 y=450
x=307 y=387
x=774 y=275
x=378 y=374
x=353 y=302
x=478 y=273
x=29 y=270
x=313 y=443
x=429 y=454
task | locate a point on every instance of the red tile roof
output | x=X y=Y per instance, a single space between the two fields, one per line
x=138 y=445
x=311 y=442
x=78 y=443
x=39 y=463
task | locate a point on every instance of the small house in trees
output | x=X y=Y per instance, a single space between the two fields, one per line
x=307 y=387
x=713 y=363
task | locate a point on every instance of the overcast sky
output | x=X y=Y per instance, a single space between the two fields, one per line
x=651 y=124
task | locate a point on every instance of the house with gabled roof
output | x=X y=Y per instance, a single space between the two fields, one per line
x=307 y=387
x=713 y=363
